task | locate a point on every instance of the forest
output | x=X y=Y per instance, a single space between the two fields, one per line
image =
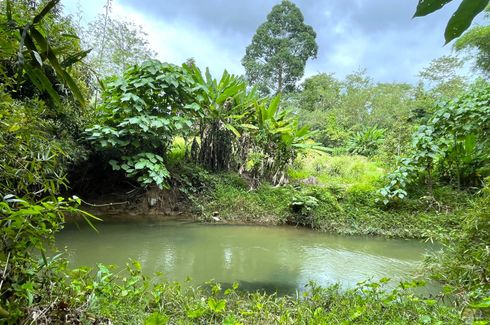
x=96 y=131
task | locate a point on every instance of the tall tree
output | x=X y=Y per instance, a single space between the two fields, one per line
x=321 y=91
x=116 y=45
x=276 y=58
x=476 y=41
x=442 y=77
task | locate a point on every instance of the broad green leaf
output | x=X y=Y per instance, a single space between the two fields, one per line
x=273 y=107
x=426 y=7
x=303 y=131
x=249 y=126
x=53 y=60
x=73 y=87
x=42 y=82
x=74 y=58
x=463 y=17
x=233 y=129
x=141 y=164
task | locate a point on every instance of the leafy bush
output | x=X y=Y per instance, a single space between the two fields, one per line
x=32 y=64
x=455 y=141
x=142 y=113
x=366 y=142
x=227 y=112
x=35 y=153
x=240 y=131
x=464 y=265
x=279 y=139
x=28 y=275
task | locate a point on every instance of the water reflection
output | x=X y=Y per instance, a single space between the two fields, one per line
x=267 y=258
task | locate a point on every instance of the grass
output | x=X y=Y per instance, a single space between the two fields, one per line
x=343 y=199
x=349 y=172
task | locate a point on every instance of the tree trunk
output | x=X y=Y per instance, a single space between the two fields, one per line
x=279 y=81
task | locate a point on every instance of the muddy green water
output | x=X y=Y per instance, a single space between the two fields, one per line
x=270 y=258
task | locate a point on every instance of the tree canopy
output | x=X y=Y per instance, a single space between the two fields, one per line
x=276 y=58
x=477 y=41
x=117 y=45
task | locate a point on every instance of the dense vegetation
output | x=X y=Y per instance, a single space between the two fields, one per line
x=347 y=156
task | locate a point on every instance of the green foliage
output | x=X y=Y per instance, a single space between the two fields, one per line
x=26 y=229
x=477 y=38
x=320 y=92
x=133 y=298
x=227 y=114
x=337 y=171
x=459 y=21
x=237 y=130
x=464 y=265
x=39 y=121
x=151 y=115
x=36 y=150
x=303 y=204
x=455 y=140
x=148 y=168
x=276 y=58
x=142 y=112
x=443 y=78
x=278 y=141
x=366 y=142
x=344 y=203
x=31 y=55
x=337 y=108
x=116 y=45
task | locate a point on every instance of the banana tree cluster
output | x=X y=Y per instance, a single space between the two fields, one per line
x=278 y=140
x=227 y=107
x=239 y=130
x=227 y=124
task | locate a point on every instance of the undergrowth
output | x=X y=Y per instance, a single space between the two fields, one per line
x=334 y=208
x=103 y=296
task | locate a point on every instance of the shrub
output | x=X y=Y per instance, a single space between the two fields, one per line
x=141 y=114
x=464 y=265
x=366 y=142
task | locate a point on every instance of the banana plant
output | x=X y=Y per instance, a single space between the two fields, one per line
x=227 y=111
x=279 y=139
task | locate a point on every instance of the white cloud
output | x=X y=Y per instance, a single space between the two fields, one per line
x=375 y=34
x=174 y=41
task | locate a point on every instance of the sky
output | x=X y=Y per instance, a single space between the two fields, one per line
x=377 y=35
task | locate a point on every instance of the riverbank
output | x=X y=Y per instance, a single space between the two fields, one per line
x=334 y=206
x=338 y=210
x=134 y=299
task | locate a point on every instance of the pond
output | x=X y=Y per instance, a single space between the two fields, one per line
x=282 y=259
